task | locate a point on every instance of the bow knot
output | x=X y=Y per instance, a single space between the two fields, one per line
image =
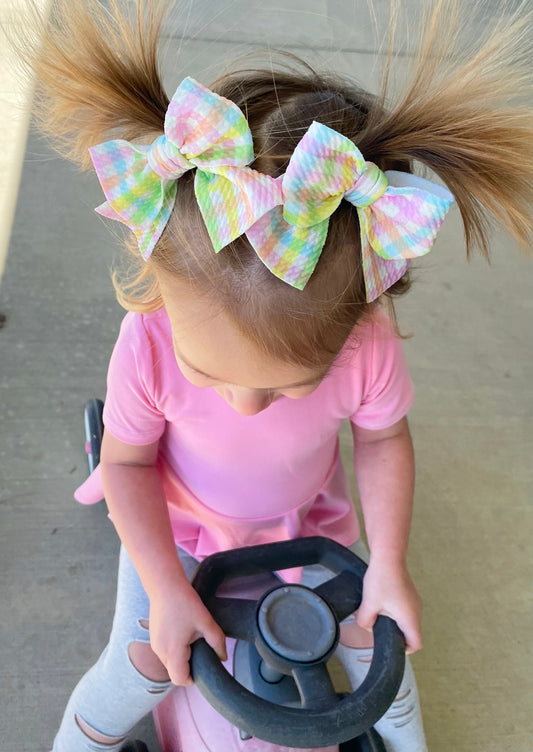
x=166 y=160
x=368 y=187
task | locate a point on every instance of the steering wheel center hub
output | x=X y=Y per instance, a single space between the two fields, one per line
x=296 y=623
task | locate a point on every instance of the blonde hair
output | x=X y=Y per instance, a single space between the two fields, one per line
x=460 y=112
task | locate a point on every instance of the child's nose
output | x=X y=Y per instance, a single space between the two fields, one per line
x=247 y=401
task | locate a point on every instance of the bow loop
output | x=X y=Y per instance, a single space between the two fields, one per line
x=323 y=167
x=209 y=130
x=401 y=225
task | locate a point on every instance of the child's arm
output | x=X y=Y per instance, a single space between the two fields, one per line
x=384 y=466
x=134 y=494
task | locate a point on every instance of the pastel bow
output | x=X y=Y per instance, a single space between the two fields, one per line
x=202 y=130
x=399 y=213
x=285 y=219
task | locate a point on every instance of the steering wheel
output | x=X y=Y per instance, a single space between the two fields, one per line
x=295 y=630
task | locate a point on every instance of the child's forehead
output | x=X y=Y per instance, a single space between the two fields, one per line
x=208 y=341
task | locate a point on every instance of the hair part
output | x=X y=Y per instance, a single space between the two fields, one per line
x=459 y=112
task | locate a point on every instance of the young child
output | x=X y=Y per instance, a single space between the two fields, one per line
x=273 y=215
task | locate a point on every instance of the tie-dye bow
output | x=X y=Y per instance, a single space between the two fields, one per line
x=285 y=219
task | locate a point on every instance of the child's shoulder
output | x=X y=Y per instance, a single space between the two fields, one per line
x=144 y=344
x=153 y=325
x=377 y=327
x=372 y=346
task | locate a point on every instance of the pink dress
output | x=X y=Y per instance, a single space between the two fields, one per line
x=232 y=480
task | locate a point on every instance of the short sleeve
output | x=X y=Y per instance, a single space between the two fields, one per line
x=388 y=392
x=130 y=412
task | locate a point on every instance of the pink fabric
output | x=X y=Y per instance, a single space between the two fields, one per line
x=176 y=720
x=234 y=480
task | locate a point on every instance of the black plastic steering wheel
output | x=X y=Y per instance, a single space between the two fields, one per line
x=295 y=629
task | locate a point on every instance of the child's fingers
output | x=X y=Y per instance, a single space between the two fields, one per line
x=366 y=618
x=216 y=638
x=413 y=639
x=178 y=667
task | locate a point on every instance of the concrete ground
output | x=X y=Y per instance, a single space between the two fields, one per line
x=469 y=357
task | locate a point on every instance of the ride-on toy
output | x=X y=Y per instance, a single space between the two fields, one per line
x=275 y=692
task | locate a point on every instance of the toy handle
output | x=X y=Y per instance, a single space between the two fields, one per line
x=326 y=718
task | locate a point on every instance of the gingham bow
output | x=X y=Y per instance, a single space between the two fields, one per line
x=399 y=213
x=285 y=219
x=202 y=130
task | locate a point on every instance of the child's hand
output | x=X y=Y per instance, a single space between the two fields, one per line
x=389 y=590
x=178 y=618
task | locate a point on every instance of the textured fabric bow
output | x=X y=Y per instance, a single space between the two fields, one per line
x=285 y=219
x=399 y=213
x=202 y=130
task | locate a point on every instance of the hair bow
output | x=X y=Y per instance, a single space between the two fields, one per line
x=399 y=213
x=285 y=219
x=202 y=130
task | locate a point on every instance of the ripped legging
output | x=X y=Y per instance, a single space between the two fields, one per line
x=113 y=695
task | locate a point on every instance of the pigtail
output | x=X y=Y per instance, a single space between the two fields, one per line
x=97 y=72
x=465 y=114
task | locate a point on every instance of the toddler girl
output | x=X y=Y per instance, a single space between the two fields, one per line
x=273 y=216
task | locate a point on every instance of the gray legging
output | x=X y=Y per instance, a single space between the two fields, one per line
x=113 y=696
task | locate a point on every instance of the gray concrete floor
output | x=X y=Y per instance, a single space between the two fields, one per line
x=471 y=362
